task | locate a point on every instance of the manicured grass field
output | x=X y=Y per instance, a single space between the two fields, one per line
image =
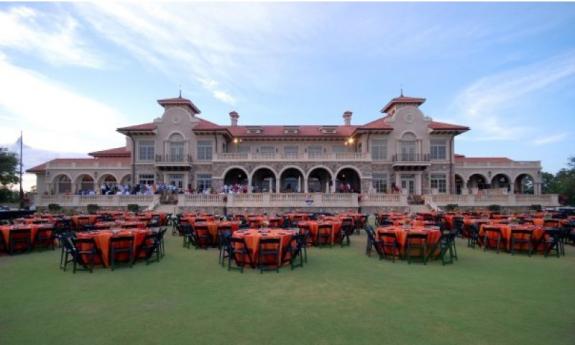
x=340 y=297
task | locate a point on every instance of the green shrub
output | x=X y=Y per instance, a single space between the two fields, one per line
x=451 y=207
x=133 y=208
x=537 y=208
x=92 y=208
x=494 y=208
x=53 y=208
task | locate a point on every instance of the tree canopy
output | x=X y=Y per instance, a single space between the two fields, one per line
x=8 y=167
x=562 y=183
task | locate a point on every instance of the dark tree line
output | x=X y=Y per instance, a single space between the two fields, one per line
x=8 y=175
x=562 y=183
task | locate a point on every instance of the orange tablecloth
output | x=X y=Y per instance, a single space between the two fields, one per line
x=102 y=239
x=506 y=230
x=213 y=227
x=80 y=220
x=433 y=235
x=253 y=236
x=313 y=229
x=5 y=229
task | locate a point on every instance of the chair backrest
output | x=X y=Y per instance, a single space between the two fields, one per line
x=416 y=236
x=324 y=227
x=121 y=241
x=269 y=243
x=185 y=229
x=20 y=234
x=521 y=232
x=388 y=236
x=488 y=228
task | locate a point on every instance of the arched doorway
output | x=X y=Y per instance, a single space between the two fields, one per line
x=62 y=185
x=477 y=181
x=459 y=184
x=85 y=184
x=291 y=181
x=348 y=181
x=107 y=184
x=236 y=178
x=524 y=184
x=263 y=181
x=319 y=181
x=501 y=181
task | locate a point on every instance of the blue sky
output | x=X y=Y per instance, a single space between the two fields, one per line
x=73 y=72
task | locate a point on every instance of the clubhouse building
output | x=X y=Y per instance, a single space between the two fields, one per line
x=400 y=158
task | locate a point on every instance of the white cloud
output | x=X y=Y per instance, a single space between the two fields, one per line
x=52 y=37
x=554 y=138
x=53 y=117
x=217 y=47
x=487 y=105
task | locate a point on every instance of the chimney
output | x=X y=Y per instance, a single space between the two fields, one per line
x=234 y=116
x=347 y=118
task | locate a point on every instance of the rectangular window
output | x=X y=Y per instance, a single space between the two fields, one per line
x=204 y=150
x=439 y=182
x=146 y=179
x=380 y=183
x=204 y=182
x=176 y=152
x=291 y=151
x=146 y=150
x=315 y=151
x=338 y=149
x=438 y=149
x=379 y=149
x=244 y=148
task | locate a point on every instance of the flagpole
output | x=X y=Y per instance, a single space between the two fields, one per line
x=21 y=159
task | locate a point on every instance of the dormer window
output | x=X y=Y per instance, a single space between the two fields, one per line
x=254 y=129
x=328 y=129
x=291 y=129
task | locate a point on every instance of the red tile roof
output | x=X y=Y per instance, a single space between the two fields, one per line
x=42 y=167
x=179 y=101
x=115 y=152
x=303 y=131
x=205 y=125
x=446 y=126
x=402 y=99
x=144 y=127
x=463 y=159
x=377 y=124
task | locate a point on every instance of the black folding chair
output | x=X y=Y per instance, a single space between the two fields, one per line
x=202 y=237
x=269 y=254
x=373 y=243
x=492 y=234
x=416 y=242
x=346 y=231
x=389 y=245
x=521 y=238
x=324 y=234
x=44 y=239
x=80 y=249
x=239 y=254
x=121 y=246
x=20 y=241
x=150 y=249
x=551 y=242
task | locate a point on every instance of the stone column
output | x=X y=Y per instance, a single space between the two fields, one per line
x=278 y=184
x=249 y=184
x=305 y=184
x=418 y=184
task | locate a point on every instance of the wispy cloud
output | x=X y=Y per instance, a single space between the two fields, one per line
x=554 y=138
x=51 y=36
x=487 y=104
x=53 y=116
x=220 y=48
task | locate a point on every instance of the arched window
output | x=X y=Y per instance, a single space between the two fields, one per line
x=176 y=147
x=408 y=147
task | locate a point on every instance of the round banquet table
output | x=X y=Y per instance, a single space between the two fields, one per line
x=252 y=238
x=433 y=235
x=507 y=229
x=5 y=230
x=214 y=226
x=80 y=220
x=102 y=240
x=313 y=226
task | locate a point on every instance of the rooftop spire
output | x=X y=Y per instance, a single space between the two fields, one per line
x=180 y=87
x=400 y=90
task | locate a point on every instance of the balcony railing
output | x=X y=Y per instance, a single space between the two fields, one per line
x=173 y=158
x=411 y=157
x=306 y=156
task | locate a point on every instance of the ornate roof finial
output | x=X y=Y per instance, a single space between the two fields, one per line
x=180 y=86
x=401 y=90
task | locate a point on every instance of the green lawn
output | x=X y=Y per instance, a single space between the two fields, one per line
x=340 y=297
